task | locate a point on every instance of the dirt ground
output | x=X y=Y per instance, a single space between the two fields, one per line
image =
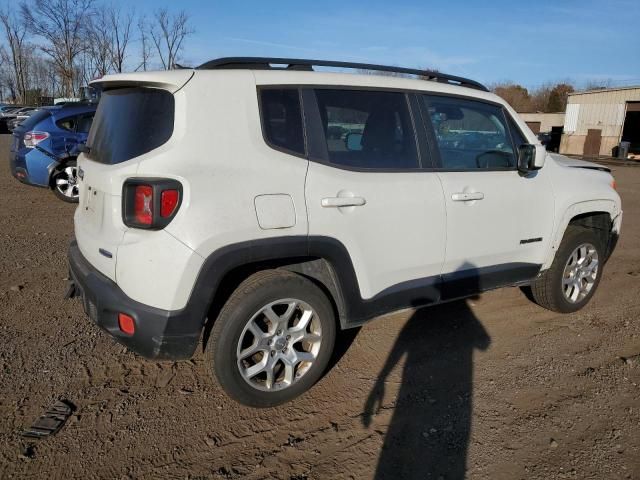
x=493 y=388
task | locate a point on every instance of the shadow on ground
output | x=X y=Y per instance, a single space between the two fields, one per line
x=429 y=431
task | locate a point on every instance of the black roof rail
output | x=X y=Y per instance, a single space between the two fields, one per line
x=266 y=63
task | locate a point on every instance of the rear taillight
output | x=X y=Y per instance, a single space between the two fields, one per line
x=143 y=204
x=168 y=202
x=31 y=139
x=150 y=203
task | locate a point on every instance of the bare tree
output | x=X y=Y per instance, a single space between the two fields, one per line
x=598 y=84
x=62 y=25
x=168 y=34
x=120 y=23
x=85 y=67
x=145 y=45
x=6 y=75
x=16 y=32
x=100 y=42
x=42 y=75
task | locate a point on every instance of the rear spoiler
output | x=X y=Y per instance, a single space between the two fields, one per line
x=172 y=80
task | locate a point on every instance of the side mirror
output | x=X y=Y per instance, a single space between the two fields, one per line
x=353 y=142
x=531 y=157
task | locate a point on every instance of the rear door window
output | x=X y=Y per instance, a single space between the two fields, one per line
x=130 y=122
x=470 y=134
x=367 y=129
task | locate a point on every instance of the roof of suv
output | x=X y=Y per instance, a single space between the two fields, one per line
x=281 y=71
x=298 y=64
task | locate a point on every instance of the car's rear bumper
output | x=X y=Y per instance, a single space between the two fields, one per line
x=31 y=168
x=159 y=334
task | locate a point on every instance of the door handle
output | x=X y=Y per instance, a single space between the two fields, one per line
x=467 y=197
x=337 y=202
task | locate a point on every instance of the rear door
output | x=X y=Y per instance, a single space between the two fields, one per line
x=366 y=188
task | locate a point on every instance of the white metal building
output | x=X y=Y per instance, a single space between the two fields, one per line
x=543 y=122
x=596 y=121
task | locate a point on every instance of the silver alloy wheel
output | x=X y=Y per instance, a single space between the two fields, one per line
x=279 y=344
x=66 y=182
x=580 y=273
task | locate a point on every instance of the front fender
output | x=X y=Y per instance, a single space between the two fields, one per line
x=580 y=208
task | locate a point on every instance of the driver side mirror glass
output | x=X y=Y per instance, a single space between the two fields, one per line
x=526 y=158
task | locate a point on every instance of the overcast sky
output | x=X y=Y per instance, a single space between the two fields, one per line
x=527 y=42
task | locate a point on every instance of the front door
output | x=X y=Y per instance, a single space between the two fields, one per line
x=365 y=189
x=498 y=221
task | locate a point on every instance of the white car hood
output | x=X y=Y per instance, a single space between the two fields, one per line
x=576 y=163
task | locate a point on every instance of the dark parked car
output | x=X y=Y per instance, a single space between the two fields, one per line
x=19 y=118
x=6 y=109
x=12 y=114
x=44 y=148
x=551 y=140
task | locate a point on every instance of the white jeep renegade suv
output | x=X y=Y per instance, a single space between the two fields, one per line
x=262 y=206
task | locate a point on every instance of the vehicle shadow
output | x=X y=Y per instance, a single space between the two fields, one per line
x=429 y=431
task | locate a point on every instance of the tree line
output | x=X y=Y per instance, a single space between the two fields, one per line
x=548 y=98
x=52 y=48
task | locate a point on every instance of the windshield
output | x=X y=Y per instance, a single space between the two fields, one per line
x=130 y=122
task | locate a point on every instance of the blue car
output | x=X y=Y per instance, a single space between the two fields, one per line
x=44 y=148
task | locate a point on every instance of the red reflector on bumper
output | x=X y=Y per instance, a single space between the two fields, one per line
x=126 y=324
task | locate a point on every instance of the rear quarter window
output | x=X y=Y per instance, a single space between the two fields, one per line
x=282 y=119
x=68 y=123
x=130 y=122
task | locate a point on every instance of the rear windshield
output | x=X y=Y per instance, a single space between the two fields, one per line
x=130 y=122
x=34 y=119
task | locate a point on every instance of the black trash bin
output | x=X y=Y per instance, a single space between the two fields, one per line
x=623 y=150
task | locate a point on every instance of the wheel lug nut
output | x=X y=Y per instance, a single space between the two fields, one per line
x=273 y=352
x=279 y=332
x=288 y=337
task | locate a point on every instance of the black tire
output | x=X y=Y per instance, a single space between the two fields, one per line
x=547 y=290
x=253 y=294
x=62 y=173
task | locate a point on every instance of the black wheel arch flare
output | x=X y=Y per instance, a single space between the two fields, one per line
x=327 y=261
